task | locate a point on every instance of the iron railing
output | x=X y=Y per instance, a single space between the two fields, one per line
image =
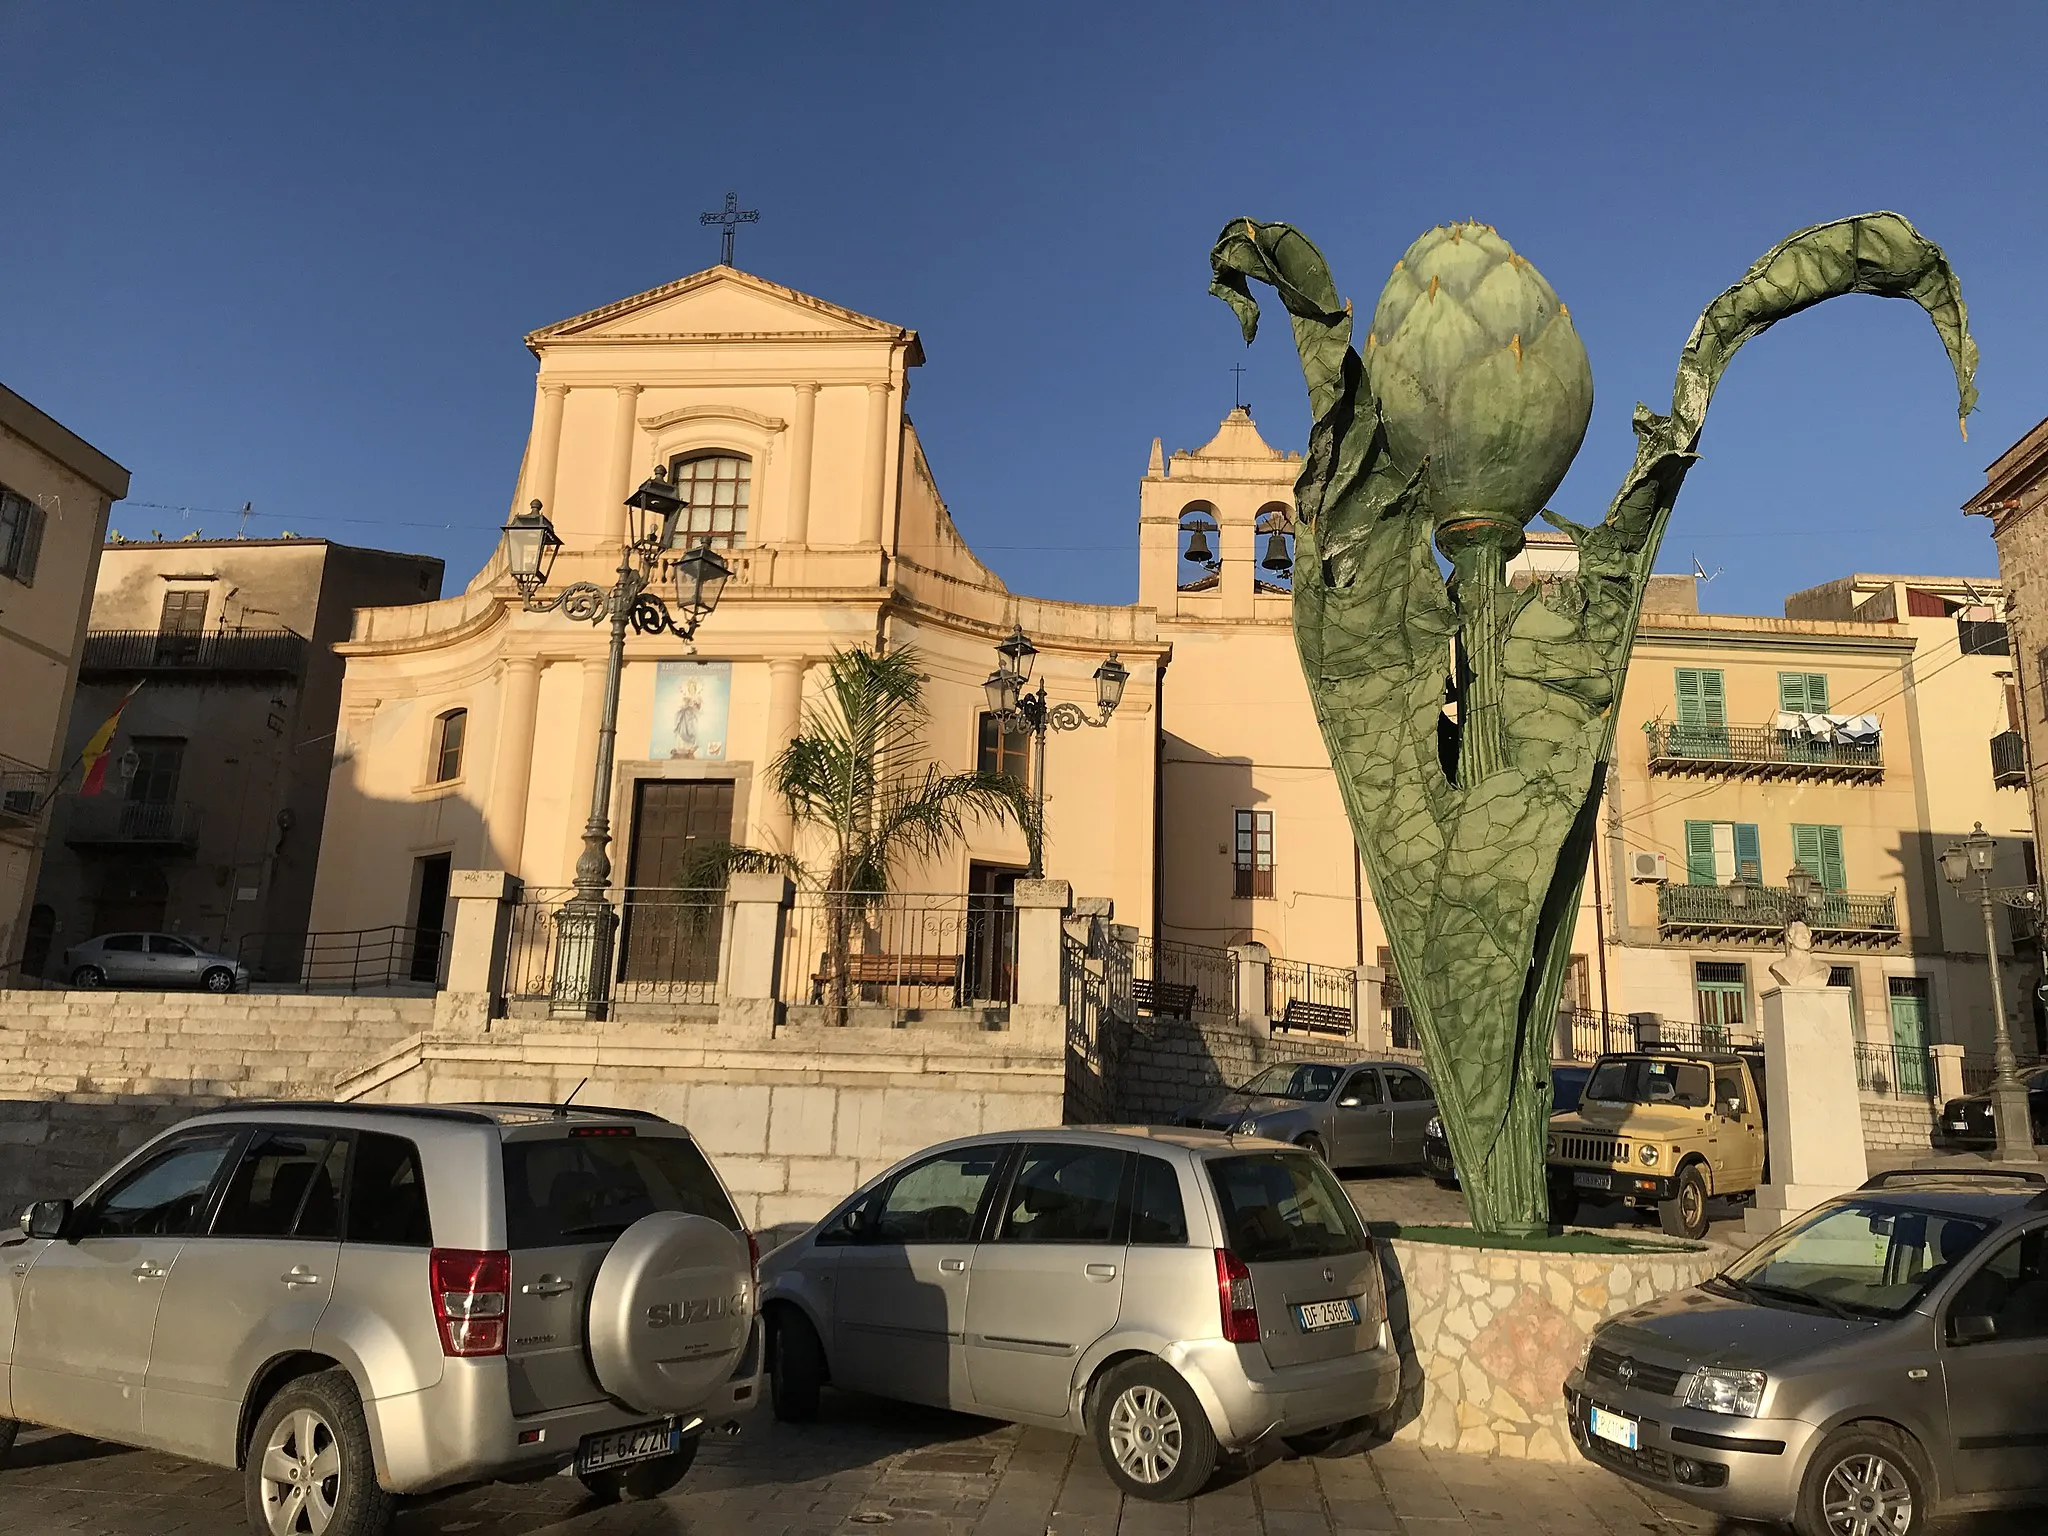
x=900 y=950
x=2008 y=760
x=103 y=819
x=1980 y=1072
x=22 y=789
x=1322 y=989
x=1894 y=1070
x=1585 y=1034
x=666 y=950
x=1759 y=913
x=129 y=652
x=1162 y=968
x=1395 y=1017
x=1689 y=1035
x=1757 y=750
x=350 y=960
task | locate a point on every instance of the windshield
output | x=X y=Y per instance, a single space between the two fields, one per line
x=579 y=1189
x=1867 y=1258
x=1637 y=1080
x=1307 y=1080
x=1283 y=1205
x=1566 y=1085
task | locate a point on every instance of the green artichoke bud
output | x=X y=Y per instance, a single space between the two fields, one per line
x=1479 y=371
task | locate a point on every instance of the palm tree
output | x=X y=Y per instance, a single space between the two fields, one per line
x=858 y=773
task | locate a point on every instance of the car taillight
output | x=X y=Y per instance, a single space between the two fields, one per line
x=471 y=1291
x=1234 y=1298
x=754 y=1259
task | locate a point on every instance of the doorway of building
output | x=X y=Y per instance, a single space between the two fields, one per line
x=990 y=950
x=1910 y=1017
x=673 y=914
x=430 y=914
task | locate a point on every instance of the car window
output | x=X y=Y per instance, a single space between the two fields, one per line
x=1728 y=1087
x=1064 y=1194
x=1362 y=1087
x=288 y=1182
x=166 y=1196
x=1157 y=1215
x=1407 y=1087
x=582 y=1189
x=1634 y=1080
x=125 y=943
x=936 y=1201
x=1566 y=1085
x=1283 y=1205
x=387 y=1198
x=2010 y=1288
x=1308 y=1081
x=163 y=944
x=1874 y=1257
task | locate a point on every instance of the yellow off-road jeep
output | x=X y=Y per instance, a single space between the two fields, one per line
x=1664 y=1128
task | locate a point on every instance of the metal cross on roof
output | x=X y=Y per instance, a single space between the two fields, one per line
x=733 y=214
x=1237 y=386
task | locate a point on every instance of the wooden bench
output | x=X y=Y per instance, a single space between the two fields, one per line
x=892 y=971
x=1316 y=1018
x=1162 y=999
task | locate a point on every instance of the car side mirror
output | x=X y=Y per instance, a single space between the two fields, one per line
x=1734 y=1108
x=1973 y=1329
x=1350 y=1101
x=47 y=1218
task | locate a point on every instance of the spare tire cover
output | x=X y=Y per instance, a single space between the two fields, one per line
x=670 y=1311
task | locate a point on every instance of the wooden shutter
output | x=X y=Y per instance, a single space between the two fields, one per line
x=1699 y=853
x=1749 y=859
x=1819 y=849
x=1690 y=709
x=1702 y=697
x=31 y=544
x=1803 y=693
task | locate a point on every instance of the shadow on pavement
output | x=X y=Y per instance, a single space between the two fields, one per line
x=55 y=1449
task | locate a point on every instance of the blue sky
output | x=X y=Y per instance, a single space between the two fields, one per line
x=271 y=254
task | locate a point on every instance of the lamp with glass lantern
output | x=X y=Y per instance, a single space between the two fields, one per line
x=1018 y=713
x=2012 y=1116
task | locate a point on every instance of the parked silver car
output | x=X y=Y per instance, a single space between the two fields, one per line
x=153 y=961
x=1355 y=1115
x=1170 y=1293
x=1878 y=1362
x=352 y=1302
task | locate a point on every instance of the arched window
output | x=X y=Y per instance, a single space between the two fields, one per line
x=718 y=488
x=449 y=730
x=1273 y=534
x=1201 y=555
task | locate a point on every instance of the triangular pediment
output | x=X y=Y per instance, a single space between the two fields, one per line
x=723 y=303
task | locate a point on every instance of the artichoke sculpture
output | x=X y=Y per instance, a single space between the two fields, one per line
x=1455 y=427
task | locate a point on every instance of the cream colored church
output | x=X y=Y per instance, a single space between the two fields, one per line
x=1204 y=809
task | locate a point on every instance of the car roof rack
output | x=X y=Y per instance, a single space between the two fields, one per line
x=335 y=1106
x=1893 y=1176
x=566 y=1111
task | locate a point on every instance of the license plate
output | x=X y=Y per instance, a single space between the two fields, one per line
x=1959 y=1125
x=1593 y=1180
x=623 y=1447
x=1318 y=1315
x=1614 y=1428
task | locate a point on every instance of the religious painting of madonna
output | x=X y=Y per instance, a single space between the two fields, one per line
x=691 y=702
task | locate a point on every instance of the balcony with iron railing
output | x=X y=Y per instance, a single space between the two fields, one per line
x=2008 y=760
x=1757 y=915
x=23 y=788
x=1758 y=752
x=112 y=653
x=104 y=821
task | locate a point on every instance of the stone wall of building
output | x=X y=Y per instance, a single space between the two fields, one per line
x=1897 y=1124
x=1163 y=1065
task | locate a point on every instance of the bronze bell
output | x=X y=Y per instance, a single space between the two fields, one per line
x=1198 y=548
x=1277 y=560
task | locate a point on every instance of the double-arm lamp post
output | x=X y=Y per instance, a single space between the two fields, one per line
x=587 y=924
x=2012 y=1119
x=1019 y=713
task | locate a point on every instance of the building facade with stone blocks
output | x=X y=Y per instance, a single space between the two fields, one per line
x=209 y=824
x=55 y=493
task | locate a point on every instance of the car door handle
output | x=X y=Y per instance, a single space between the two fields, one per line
x=952 y=1266
x=298 y=1274
x=546 y=1285
x=149 y=1269
x=1101 y=1271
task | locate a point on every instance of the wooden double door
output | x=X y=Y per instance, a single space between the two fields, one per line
x=674 y=907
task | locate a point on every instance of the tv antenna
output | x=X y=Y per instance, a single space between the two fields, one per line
x=1700 y=572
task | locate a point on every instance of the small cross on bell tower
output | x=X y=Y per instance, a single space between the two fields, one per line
x=733 y=214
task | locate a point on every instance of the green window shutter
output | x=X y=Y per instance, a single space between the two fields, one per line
x=1803 y=693
x=1817 y=692
x=1834 y=874
x=1806 y=849
x=1699 y=853
x=1714 y=698
x=1690 y=710
x=1749 y=859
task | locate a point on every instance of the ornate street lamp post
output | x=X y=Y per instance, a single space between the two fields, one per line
x=587 y=924
x=2009 y=1108
x=1019 y=713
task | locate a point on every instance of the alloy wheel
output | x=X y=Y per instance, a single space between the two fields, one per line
x=301 y=1475
x=1866 y=1495
x=1692 y=1204
x=1145 y=1434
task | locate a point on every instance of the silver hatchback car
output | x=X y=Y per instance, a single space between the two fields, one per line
x=352 y=1302
x=1172 y=1293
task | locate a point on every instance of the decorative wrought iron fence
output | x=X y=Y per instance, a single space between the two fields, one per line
x=1396 y=1017
x=1311 y=996
x=277 y=652
x=1759 y=745
x=1897 y=1071
x=1689 y=1036
x=667 y=948
x=1980 y=1072
x=2008 y=759
x=1766 y=909
x=1585 y=1034
x=900 y=949
x=1170 y=979
x=350 y=960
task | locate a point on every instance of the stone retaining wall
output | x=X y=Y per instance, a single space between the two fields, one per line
x=1165 y=1064
x=1897 y=1124
x=1488 y=1335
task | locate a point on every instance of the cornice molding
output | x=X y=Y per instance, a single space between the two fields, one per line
x=666 y=419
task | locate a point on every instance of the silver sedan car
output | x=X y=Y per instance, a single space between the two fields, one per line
x=1172 y=1294
x=1351 y=1115
x=152 y=961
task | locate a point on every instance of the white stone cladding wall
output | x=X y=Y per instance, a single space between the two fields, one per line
x=1163 y=1065
x=1897 y=1124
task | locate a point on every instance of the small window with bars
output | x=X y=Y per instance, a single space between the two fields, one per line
x=719 y=488
x=1252 y=858
x=1722 y=987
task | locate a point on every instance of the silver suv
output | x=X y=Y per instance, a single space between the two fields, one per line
x=1171 y=1293
x=352 y=1302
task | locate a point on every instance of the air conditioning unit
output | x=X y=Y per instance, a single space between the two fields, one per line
x=1648 y=868
x=18 y=802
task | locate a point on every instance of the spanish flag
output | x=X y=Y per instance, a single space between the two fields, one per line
x=101 y=747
